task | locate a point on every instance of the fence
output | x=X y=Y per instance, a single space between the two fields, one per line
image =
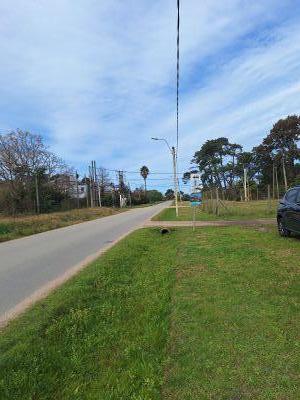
x=259 y=203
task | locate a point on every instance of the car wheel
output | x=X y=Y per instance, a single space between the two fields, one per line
x=282 y=229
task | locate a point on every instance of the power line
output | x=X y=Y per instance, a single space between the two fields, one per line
x=138 y=172
x=151 y=179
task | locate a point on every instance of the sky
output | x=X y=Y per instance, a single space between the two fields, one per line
x=97 y=78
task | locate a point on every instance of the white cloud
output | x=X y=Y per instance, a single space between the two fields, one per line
x=98 y=78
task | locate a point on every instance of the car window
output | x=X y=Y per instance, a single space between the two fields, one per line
x=291 y=196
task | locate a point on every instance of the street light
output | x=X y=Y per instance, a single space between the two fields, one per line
x=173 y=153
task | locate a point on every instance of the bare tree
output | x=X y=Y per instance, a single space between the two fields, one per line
x=24 y=159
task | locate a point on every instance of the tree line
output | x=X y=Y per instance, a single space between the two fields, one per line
x=274 y=163
x=34 y=179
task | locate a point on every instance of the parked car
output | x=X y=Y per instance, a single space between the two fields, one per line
x=288 y=213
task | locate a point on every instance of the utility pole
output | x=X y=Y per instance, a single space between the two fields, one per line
x=174 y=159
x=86 y=191
x=129 y=193
x=100 y=185
x=95 y=182
x=99 y=195
x=175 y=179
x=121 y=187
x=91 y=187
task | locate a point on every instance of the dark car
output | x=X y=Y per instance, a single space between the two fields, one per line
x=288 y=213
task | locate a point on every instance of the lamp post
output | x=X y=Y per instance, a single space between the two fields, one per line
x=173 y=153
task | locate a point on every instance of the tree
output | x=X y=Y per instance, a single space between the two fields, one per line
x=103 y=180
x=26 y=163
x=169 y=195
x=144 y=173
x=216 y=160
x=154 y=195
x=281 y=143
x=187 y=175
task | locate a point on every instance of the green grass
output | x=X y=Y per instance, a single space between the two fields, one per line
x=235 y=318
x=231 y=211
x=210 y=314
x=25 y=225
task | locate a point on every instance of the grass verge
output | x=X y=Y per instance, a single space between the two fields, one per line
x=100 y=336
x=210 y=314
x=233 y=210
x=20 y=226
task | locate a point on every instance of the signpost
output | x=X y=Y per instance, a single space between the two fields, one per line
x=196 y=195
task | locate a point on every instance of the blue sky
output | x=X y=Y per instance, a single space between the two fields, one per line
x=97 y=78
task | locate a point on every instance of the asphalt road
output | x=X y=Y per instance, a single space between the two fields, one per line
x=33 y=262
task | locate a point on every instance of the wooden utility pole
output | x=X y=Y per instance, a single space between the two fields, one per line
x=129 y=193
x=95 y=183
x=87 y=191
x=91 y=187
x=100 y=182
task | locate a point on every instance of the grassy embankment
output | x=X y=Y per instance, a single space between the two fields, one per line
x=210 y=314
x=25 y=225
x=233 y=210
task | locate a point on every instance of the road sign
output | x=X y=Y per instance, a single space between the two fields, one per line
x=195 y=183
x=196 y=199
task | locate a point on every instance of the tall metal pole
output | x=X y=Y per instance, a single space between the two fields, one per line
x=175 y=179
x=174 y=158
x=91 y=187
x=96 y=199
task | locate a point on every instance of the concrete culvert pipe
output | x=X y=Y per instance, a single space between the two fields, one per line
x=164 y=231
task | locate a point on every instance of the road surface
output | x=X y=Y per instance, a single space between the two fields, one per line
x=30 y=267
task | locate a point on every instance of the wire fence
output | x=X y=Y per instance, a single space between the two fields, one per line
x=258 y=202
